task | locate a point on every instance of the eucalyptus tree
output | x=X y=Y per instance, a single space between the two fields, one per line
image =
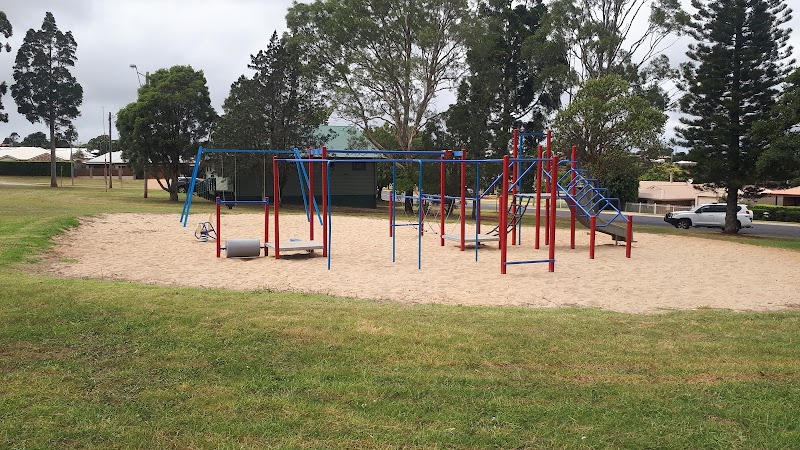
x=740 y=59
x=384 y=60
x=44 y=89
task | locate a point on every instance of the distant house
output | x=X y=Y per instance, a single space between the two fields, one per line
x=676 y=193
x=780 y=197
x=33 y=154
x=96 y=166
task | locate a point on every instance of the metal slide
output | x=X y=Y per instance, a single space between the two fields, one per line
x=589 y=201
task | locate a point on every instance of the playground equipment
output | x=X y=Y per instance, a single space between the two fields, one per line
x=242 y=248
x=205 y=230
x=294 y=244
x=555 y=180
x=207 y=184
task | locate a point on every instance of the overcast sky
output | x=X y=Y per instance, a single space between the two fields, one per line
x=216 y=36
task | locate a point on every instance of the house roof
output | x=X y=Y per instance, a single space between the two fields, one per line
x=116 y=158
x=675 y=191
x=33 y=154
x=791 y=192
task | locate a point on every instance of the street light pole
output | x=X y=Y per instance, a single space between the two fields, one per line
x=139 y=79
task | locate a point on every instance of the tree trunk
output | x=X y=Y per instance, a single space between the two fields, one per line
x=409 y=202
x=731 y=221
x=53 y=181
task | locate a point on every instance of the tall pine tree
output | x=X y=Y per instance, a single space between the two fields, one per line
x=5 y=30
x=44 y=88
x=736 y=67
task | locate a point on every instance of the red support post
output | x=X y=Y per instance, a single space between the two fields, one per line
x=310 y=196
x=219 y=250
x=441 y=199
x=463 y=212
x=572 y=208
x=592 y=229
x=266 y=225
x=325 y=201
x=538 y=195
x=552 y=230
x=515 y=174
x=504 y=217
x=276 y=195
x=629 y=237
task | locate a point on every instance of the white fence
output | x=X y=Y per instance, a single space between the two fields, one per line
x=653 y=208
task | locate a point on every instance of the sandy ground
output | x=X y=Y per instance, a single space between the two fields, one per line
x=665 y=272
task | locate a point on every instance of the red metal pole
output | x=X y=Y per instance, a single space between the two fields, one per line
x=504 y=217
x=572 y=208
x=550 y=199
x=310 y=196
x=592 y=228
x=324 y=201
x=463 y=198
x=219 y=250
x=515 y=174
x=538 y=194
x=441 y=200
x=547 y=203
x=554 y=191
x=276 y=195
x=629 y=237
x=266 y=227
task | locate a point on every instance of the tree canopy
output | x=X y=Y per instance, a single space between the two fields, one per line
x=779 y=134
x=164 y=127
x=37 y=139
x=509 y=84
x=6 y=30
x=732 y=81
x=383 y=61
x=44 y=89
x=278 y=108
x=609 y=124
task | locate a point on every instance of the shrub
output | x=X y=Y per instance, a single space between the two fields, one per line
x=776 y=213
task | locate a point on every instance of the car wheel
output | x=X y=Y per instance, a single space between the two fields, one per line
x=685 y=224
x=738 y=225
x=182 y=189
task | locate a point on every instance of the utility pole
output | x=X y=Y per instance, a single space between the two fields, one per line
x=110 y=157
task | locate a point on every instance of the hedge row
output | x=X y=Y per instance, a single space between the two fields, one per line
x=777 y=213
x=32 y=168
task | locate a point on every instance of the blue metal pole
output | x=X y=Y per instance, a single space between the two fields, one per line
x=187 y=203
x=394 y=204
x=477 y=208
x=419 y=221
x=330 y=216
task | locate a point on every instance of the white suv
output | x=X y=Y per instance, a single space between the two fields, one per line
x=711 y=215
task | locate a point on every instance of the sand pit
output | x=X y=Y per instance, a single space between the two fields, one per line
x=665 y=273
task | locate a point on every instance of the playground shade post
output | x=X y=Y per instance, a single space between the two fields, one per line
x=629 y=237
x=592 y=229
x=324 y=201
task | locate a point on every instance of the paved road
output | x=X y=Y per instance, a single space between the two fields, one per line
x=759 y=228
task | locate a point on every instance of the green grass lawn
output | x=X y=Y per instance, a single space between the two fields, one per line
x=120 y=365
